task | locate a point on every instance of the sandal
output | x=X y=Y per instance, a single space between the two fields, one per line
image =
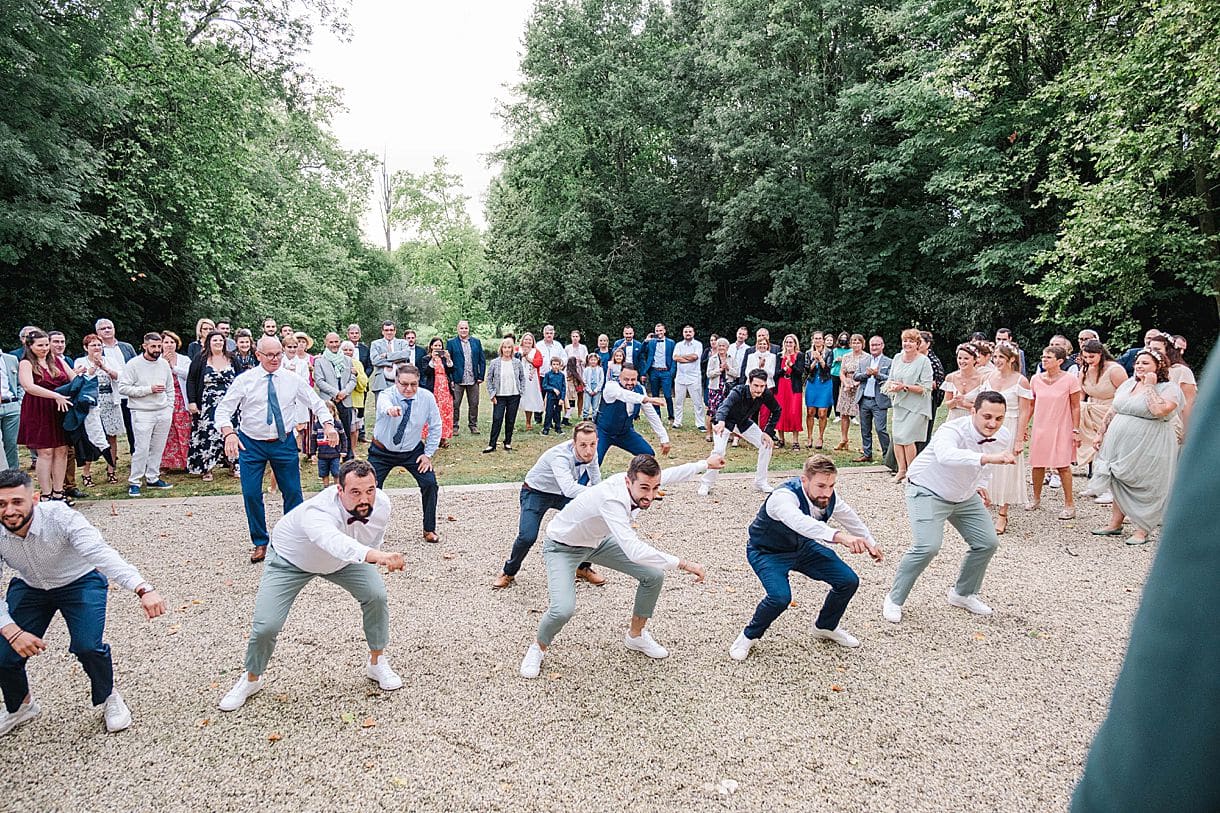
x=1067 y=513
x=86 y=480
x=1033 y=505
x=59 y=496
x=207 y=477
x=842 y=447
x=111 y=477
x=1001 y=524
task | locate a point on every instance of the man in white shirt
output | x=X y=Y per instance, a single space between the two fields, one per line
x=147 y=382
x=551 y=349
x=687 y=381
x=562 y=473
x=403 y=411
x=596 y=527
x=117 y=354
x=61 y=564
x=622 y=402
x=265 y=395
x=337 y=535
x=737 y=355
x=947 y=482
x=791 y=533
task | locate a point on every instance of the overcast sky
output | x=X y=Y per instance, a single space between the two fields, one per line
x=421 y=80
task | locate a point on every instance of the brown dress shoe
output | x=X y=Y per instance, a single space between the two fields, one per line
x=258 y=554
x=587 y=574
x=502 y=581
x=432 y=536
x=862 y=459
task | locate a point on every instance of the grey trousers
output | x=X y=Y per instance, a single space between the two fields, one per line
x=278 y=589
x=561 y=563
x=10 y=419
x=928 y=514
x=471 y=392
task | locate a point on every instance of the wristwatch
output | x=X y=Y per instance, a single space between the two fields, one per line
x=144 y=589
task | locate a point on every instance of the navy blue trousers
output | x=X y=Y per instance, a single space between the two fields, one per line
x=813 y=560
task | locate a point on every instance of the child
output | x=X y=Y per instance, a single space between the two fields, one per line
x=595 y=379
x=329 y=456
x=576 y=389
x=554 y=387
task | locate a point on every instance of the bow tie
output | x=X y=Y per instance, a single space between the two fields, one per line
x=986 y=440
x=361 y=520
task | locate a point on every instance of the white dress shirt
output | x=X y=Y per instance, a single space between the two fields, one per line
x=248 y=392
x=558 y=472
x=605 y=512
x=424 y=412
x=614 y=391
x=736 y=353
x=554 y=350
x=577 y=351
x=783 y=506
x=7 y=390
x=59 y=548
x=950 y=467
x=317 y=538
x=688 y=371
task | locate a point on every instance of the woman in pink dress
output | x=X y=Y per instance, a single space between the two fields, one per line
x=178 y=444
x=1056 y=430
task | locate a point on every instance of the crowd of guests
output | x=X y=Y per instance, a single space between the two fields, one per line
x=1071 y=409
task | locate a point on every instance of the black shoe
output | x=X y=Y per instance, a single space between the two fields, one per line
x=74 y=493
x=489 y=450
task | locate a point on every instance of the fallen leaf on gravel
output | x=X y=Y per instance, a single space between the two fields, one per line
x=1035 y=633
x=283 y=698
x=173 y=630
x=190 y=513
x=368 y=766
x=203 y=722
x=398 y=780
x=228 y=582
x=554 y=675
x=505 y=787
x=451 y=518
x=792 y=604
x=448 y=556
x=274 y=736
x=114 y=509
x=834 y=687
x=368 y=722
x=347 y=717
x=215 y=685
x=196 y=601
x=978 y=636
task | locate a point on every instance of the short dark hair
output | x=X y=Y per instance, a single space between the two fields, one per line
x=988 y=397
x=1056 y=351
x=584 y=428
x=51 y=333
x=627 y=367
x=1000 y=330
x=355 y=468
x=152 y=336
x=15 y=478
x=406 y=368
x=757 y=374
x=644 y=464
x=818 y=464
x=926 y=335
x=387 y=323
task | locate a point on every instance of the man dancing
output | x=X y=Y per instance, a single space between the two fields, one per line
x=59 y=559
x=947 y=481
x=596 y=527
x=790 y=533
x=739 y=413
x=337 y=535
x=622 y=402
x=562 y=473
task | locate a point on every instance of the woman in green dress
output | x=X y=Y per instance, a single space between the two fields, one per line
x=910 y=390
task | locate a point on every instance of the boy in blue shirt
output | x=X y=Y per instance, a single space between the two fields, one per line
x=554 y=387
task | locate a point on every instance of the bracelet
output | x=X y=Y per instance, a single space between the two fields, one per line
x=16 y=635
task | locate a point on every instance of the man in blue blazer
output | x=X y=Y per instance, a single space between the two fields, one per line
x=10 y=407
x=469 y=369
x=633 y=350
x=658 y=368
x=874 y=404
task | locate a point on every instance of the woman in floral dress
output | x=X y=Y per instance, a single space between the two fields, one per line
x=211 y=375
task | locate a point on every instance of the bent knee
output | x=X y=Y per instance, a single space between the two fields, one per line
x=779 y=598
x=652 y=577
x=846 y=582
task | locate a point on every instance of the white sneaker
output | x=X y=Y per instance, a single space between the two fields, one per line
x=764 y=487
x=676 y=425
x=970 y=602
x=381 y=672
x=1104 y=498
x=890 y=611
x=740 y=650
x=242 y=690
x=839 y=635
x=531 y=664
x=24 y=713
x=645 y=644
x=704 y=489
x=118 y=716
x=1054 y=482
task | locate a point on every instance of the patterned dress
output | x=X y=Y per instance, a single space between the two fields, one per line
x=847 y=405
x=444 y=399
x=177 y=445
x=207 y=448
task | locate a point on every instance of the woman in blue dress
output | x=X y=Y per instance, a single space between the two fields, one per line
x=819 y=388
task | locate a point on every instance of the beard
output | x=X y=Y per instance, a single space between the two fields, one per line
x=821 y=502
x=15 y=522
x=361 y=510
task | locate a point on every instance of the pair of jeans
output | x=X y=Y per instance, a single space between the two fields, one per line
x=928 y=514
x=82 y=604
x=503 y=414
x=813 y=560
x=285 y=463
x=873 y=417
x=384 y=461
x=630 y=442
x=661 y=382
x=328 y=466
x=553 y=417
x=593 y=404
x=278 y=587
x=534 y=505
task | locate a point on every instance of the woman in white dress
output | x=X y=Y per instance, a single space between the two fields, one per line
x=531 y=398
x=964 y=384
x=1008 y=482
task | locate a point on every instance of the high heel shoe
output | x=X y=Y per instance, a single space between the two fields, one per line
x=86 y=480
x=842 y=447
x=111 y=476
x=1001 y=524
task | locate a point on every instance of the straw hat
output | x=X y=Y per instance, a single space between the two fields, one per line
x=304 y=337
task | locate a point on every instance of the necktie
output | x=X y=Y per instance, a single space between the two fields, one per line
x=274 y=415
x=362 y=520
x=584 y=477
x=986 y=440
x=406 y=418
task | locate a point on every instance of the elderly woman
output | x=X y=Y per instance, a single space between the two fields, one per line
x=505 y=384
x=107 y=411
x=910 y=390
x=1056 y=427
x=1137 y=449
x=531 y=395
x=846 y=406
x=357 y=397
x=718 y=367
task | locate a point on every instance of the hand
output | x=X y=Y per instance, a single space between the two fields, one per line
x=855 y=544
x=999 y=458
x=331 y=435
x=1148 y=379
x=425 y=464
x=158 y=388
x=986 y=497
x=665 y=447
x=62 y=403
x=718 y=428
x=153 y=604
x=658 y=401
x=493 y=400
x=25 y=644
x=767 y=442
x=233 y=445
x=394 y=412
x=392 y=561
x=695 y=568
x=899 y=387
x=715 y=461
x=192 y=408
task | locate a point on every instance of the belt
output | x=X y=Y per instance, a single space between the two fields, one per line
x=9 y=400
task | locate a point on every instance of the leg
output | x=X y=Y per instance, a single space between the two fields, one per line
x=252 y=462
x=533 y=508
x=883 y=435
x=1037 y=475
x=650 y=580
x=603 y=445
x=973 y=522
x=458 y=391
x=561 y=563
x=428 y=488
x=772 y=570
x=83 y=606
x=42 y=470
x=69 y=468
x=510 y=417
x=1065 y=478
x=382 y=462
x=367 y=587
x=720 y=445
x=59 y=467
x=472 y=403
x=497 y=420
x=823 y=417
x=667 y=387
x=162 y=421
x=824 y=565
x=142 y=427
x=810 y=412
x=866 y=427
x=927 y=513
x=277 y=590
x=31 y=610
x=696 y=395
x=128 y=426
x=10 y=419
x=633 y=443
x=755 y=436
x=679 y=403
x=287 y=468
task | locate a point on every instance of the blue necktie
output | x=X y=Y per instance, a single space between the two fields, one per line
x=584 y=477
x=406 y=418
x=273 y=409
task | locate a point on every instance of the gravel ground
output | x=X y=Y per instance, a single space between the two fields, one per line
x=944 y=712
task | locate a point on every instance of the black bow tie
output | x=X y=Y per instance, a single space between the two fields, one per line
x=986 y=440
x=362 y=520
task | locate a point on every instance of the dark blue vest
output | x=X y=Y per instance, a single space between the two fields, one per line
x=771 y=535
x=615 y=418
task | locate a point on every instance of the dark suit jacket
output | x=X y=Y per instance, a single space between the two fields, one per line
x=883 y=375
x=454 y=346
x=637 y=353
x=650 y=351
x=366 y=359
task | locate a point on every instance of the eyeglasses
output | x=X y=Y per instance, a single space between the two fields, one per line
x=270 y=356
x=408 y=385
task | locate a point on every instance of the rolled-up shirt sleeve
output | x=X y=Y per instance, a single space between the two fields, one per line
x=618 y=519
x=319 y=526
